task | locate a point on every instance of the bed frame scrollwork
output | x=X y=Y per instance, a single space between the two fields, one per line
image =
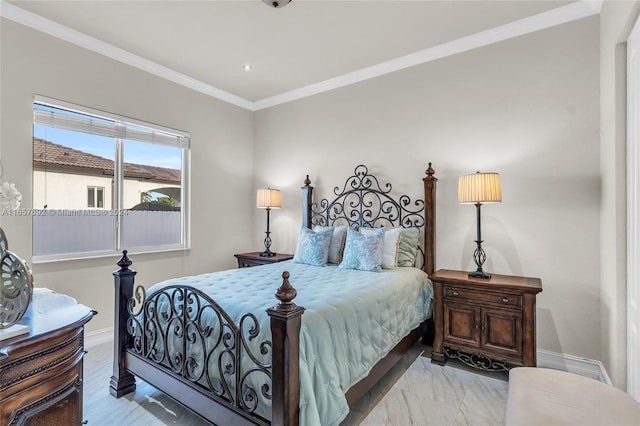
x=212 y=344
x=363 y=202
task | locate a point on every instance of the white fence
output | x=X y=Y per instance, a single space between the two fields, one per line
x=78 y=231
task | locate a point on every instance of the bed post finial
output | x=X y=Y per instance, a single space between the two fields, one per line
x=124 y=261
x=430 y=172
x=307 y=181
x=286 y=293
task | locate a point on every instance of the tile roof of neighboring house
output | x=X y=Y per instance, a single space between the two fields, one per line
x=54 y=157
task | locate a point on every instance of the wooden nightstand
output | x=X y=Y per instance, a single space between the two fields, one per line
x=247 y=260
x=485 y=323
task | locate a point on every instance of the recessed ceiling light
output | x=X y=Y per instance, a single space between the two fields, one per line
x=247 y=67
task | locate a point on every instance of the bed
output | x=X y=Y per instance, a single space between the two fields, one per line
x=233 y=358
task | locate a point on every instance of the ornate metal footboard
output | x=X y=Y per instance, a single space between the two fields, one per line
x=184 y=343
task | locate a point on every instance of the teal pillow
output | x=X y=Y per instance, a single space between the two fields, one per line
x=313 y=247
x=363 y=252
x=408 y=246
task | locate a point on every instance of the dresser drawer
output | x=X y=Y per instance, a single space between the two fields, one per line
x=497 y=299
x=55 y=401
x=43 y=361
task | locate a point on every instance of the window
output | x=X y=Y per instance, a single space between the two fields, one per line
x=95 y=197
x=103 y=183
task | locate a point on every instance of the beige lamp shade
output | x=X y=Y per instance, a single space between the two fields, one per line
x=268 y=198
x=479 y=188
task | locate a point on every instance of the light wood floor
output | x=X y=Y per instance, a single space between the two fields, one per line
x=414 y=392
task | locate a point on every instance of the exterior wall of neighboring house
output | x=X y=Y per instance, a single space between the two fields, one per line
x=67 y=191
x=59 y=190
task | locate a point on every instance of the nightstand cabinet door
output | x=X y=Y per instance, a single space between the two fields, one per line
x=502 y=332
x=461 y=324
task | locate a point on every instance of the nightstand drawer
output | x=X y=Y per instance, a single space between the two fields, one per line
x=499 y=299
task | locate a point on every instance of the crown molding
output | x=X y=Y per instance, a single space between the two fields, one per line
x=551 y=18
x=62 y=32
x=517 y=28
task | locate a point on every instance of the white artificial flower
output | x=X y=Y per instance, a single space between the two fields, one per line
x=10 y=197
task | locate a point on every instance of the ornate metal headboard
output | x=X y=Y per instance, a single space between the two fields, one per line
x=363 y=201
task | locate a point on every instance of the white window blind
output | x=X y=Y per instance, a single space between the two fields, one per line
x=104 y=124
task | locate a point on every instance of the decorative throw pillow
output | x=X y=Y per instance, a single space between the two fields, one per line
x=390 y=250
x=337 y=241
x=408 y=246
x=313 y=247
x=363 y=252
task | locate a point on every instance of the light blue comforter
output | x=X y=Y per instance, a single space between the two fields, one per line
x=352 y=320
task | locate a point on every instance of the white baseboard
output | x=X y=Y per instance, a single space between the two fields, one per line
x=546 y=359
x=573 y=364
x=98 y=337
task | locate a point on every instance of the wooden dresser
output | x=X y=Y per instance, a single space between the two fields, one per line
x=41 y=372
x=485 y=323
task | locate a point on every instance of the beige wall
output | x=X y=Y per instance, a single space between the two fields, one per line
x=546 y=110
x=527 y=108
x=616 y=21
x=222 y=151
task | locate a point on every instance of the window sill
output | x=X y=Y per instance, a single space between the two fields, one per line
x=39 y=260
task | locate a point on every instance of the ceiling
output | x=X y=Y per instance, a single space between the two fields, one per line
x=304 y=45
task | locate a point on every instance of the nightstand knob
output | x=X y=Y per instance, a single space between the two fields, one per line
x=455 y=293
x=505 y=300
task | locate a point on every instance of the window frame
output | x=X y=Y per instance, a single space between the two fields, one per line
x=183 y=143
x=95 y=198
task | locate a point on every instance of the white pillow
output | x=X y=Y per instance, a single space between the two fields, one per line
x=337 y=241
x=391 y=244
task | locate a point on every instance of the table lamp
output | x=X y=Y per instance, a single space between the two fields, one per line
x=479 y=188
x=268 y=198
